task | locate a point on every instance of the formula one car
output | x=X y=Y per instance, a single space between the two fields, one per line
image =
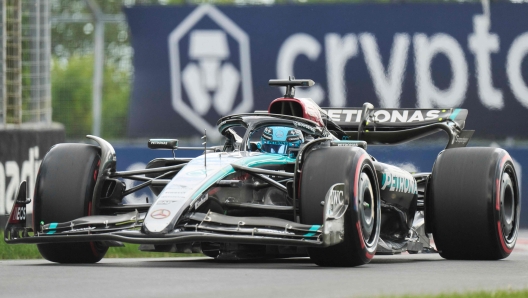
x=295 y=180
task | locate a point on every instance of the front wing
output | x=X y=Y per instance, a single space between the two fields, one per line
x=199 y=227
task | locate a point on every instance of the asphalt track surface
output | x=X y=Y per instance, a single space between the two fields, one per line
x=203 y=277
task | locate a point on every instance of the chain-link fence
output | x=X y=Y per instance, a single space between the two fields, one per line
x=73 y=74
x=91 y=67
x=27 y=66
x=2 y=59
x=25 y=94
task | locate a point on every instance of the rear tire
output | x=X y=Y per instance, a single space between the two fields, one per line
x=352 y=166
x=63 y=192
x=474 y=204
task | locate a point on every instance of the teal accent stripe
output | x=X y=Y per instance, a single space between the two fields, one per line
x=51 y=227
x=313 y=228
x=454 y=114
x=383 y=177
x=251 y=161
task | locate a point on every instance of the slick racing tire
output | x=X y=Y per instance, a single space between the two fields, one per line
x=63 y=192
x=473 y=203
x=352 y=166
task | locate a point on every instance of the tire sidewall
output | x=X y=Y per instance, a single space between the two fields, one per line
x=363 y=163
x=41 y=190
x=505 y=165
x=463 y=203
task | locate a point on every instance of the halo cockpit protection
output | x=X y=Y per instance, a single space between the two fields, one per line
x=280 y=140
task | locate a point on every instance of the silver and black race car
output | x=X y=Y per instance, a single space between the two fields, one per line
x=295 y=180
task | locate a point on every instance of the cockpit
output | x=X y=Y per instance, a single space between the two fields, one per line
x=268 y=133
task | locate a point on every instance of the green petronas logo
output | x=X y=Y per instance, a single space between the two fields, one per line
x=399 y=183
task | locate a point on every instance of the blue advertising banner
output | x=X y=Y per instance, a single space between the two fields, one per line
x=194 y=64
x=21 y=153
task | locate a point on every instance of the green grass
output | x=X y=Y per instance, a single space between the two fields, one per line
x=479 y=294
x=131 y=251
x=30 y=251
x=17 y=252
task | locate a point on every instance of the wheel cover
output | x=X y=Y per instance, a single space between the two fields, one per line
x=508 y=209
x=366 y=207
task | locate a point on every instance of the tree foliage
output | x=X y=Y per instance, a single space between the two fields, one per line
x=72 y=97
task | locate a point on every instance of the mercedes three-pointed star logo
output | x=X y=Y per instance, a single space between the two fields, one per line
x=160 y=214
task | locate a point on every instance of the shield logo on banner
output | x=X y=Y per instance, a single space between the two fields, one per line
x=209 y=76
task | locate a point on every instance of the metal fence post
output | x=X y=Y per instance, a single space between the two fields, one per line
x=2 y=63
x=46 y=68
x=98 y=66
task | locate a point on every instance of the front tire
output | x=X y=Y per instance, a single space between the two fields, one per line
x=474 y=204
x=63 y=192
x=352 y=166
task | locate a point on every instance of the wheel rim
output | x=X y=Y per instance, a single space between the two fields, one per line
x=508 y=207
x=366 y=207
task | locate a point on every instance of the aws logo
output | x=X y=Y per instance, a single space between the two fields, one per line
x=210 y=67
x=336 y=198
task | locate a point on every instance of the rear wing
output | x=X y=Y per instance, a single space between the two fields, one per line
x=375 y=126
x=394 y=126
x=394 y=119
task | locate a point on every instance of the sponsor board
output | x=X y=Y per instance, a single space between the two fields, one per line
x=394 y=56
x=21 y=153
x=12 y=173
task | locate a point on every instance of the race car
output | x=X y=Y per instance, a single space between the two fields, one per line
x=293 y=181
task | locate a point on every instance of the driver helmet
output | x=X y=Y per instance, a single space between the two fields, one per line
x=279 y=139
